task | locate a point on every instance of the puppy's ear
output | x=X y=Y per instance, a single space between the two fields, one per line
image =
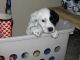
x=33 y=17
x=33 y=20
x=54 y=17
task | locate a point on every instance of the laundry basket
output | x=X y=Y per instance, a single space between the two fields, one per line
x=29 y=47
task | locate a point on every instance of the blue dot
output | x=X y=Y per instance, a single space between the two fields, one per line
x=51 y=58
x=47 y=51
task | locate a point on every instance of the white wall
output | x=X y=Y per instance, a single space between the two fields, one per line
x=22 y=9
x=2 y=6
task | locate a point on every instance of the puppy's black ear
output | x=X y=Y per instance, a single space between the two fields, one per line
x=54 y=17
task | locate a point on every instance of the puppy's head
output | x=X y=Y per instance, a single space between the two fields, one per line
x=46 y=18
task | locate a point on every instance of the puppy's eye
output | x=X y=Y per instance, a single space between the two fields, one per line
x=43 y=21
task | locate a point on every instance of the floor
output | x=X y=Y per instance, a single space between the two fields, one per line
x=73 y=49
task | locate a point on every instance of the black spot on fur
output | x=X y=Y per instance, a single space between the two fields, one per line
x=54 y=17
x=65 y=5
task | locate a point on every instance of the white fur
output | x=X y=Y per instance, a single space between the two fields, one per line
x=37 y=27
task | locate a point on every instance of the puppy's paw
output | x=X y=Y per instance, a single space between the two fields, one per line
x=36 y=32
x=55 y=34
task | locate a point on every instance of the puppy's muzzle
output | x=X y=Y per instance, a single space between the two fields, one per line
x=50 y=29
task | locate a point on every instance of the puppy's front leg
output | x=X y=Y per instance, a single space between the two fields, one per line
x=36 y=31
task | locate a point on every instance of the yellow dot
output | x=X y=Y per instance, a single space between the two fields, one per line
x=36 y=53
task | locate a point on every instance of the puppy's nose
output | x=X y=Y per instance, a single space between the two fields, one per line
x=50 y=29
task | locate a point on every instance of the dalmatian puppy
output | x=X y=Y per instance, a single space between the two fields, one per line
x=72 y=5
x=43 y=21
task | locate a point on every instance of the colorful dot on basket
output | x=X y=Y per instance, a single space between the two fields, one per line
x=52 y=58
x=57 y=49
x=36 y=53
x=47 y=51
x=13 y=57
x=2 y=58
x=25 y=55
